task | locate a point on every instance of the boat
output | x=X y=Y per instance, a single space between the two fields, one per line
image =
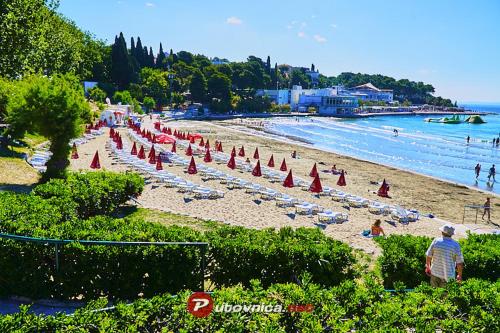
x=475 y=119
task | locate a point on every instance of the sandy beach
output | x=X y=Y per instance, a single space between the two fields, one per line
x=427 y=195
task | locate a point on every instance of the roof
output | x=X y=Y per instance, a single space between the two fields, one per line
x=368 y=85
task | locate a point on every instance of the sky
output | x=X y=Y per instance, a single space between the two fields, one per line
x=451 y=44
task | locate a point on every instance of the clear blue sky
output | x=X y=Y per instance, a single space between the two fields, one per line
x=452 y=44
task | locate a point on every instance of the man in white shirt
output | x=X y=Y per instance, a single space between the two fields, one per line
x=443 y=256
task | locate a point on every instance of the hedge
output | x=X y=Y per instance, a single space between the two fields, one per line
x=403 y=258
x=236 y=255
x=94 y=193
x=349 y=307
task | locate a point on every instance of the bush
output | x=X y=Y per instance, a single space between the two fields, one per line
x=95 y=193
x=403 y=258
x=346 y=308
x=238 y=255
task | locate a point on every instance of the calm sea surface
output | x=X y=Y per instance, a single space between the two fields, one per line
x=434 y=149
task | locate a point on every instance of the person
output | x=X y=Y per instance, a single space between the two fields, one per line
x=468 y=139
x=247 y=161
x=294 y=154
x=478 y=170
x=334 y=169
x=377 y=229
x=444 y=255
x=487 y=209
x=498 y=141
x=492 y=173
x=396 y=133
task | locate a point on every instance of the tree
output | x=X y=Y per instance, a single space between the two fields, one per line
x=299 y=78
x=122 y=69
x=149 y=103
x=123 y=97
x=97 y=94
x=268 y=65
x=161 y=59
x=5 y=91
x=136 y=91
x=54 y=107
x=219 y=87
x=198 y=86
x=154 y=84
x=186 y=57
x=139 y=55
x=151 y=58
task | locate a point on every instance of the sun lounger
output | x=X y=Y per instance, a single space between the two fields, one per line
x=332 y=217
x=306 y=208
x=215 y=194
x=378 y=208
x=404 y=216
x=357 y=202
x=252 y=188
x=268 y=194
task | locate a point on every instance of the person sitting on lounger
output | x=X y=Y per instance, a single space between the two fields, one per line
x=377 y=229
x=247 y=161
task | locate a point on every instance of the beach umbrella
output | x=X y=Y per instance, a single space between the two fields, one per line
x=207 y=144
x=231 y=163
x=74 y=152
x=174 y=148
x=316 y=185
x=119 y=143
x=202 y=143
x=192 y=167
x=169 y=131
x=134 y=150
x=143 y=133
x=220 y=147
x=256 y=154
x=383 y=191
x=164 y=138
x=189 y=151
x=314 y=171
x=256 y=171
x=164 y=130
x=154 y=138
x=288 y=180
x=152 y=159
x=271 y=162
x=241 y=153
x=208 y=157
x=191 y=140
x=111 y=132
x=152 y=151
x=159 y=166
x=233 y=152
x=95 y=161
x=341 y=181
x=141 y=154
x=283 y=165
x=175 y=133
x=148 y=136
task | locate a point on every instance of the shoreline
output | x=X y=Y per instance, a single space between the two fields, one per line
x=306 y=144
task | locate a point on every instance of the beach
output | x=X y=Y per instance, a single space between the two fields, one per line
x=427 y=195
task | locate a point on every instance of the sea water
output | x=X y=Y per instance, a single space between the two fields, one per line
x=434 y=149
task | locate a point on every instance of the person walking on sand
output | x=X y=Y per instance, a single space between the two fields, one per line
x=477 y=169
x=487 y=209
x=492 y=173
x=443 y=257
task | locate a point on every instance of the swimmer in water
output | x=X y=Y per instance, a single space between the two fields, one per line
x=396 y=133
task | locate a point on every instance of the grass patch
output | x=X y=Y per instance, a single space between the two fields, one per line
x=166 y=219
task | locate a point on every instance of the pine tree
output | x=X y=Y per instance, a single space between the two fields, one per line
x=160 y=59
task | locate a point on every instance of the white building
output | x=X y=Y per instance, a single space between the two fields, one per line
x=368 y=92
x=280 y=97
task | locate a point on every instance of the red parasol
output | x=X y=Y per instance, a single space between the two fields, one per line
x=202 y=143
x=192 y=167
x=314 y=171
x=189 y=151
x=141 y=154
x=316 y=185
x=119 y=143
x=283 y=165
x=95 y=161
x=231 y=163
x=153 y=140
x=256 y=154
x=256 y=171
x=241 y=153
x=208 y=157
x=111 y=132
x=164 y=130
x=191 y=139
x=383 y=191
x=207 y=144
x=152 y=151
x=143 y=133
x=174 y=148
x=288 y=180
x=164 y=138
x=233 y=152
x=341 y=181
x=74 y=152
x=152 y=158
x=169 y=131
x=159 y=166
x=134 y=150
x=271 y=162
x=219 y=147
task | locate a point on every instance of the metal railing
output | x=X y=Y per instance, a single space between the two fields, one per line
x=59 y=243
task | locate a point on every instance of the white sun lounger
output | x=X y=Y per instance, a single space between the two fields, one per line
x=379 y=208
x=332 y=217
x=402 y=215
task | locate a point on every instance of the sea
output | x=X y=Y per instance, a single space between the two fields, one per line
x=434 y=149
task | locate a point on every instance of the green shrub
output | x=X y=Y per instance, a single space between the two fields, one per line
x=95 y=193
x=403 y=258
x=348 y=307
x=239 y=255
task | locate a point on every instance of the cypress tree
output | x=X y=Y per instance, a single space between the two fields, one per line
x=132 y=47
x=151 y=58
x=138 y=52
x=312 y=67
x=122 y=71
x=268 y=65
x=276 y=74
x=160 y=59
x=145 y=56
